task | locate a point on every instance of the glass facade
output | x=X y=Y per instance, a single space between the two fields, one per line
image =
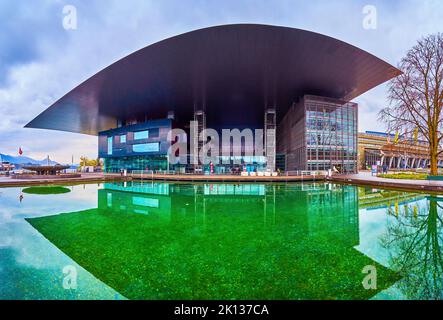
x=331 y=135
x=146 y=147
x=109 y=145
x=141 y=146
x=139 y=135
x=316 y=134
x=235 y=164
x=136 y=163
x=319 y=134
x=372 y=157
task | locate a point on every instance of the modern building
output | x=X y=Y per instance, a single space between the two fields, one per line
x=378 y=148
x=6 y=166
x=319 y=133
x=138 y=146
x=295 y=85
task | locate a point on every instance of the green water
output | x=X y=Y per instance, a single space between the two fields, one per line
x=219 y=241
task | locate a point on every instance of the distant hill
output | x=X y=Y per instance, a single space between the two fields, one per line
x=21 y=160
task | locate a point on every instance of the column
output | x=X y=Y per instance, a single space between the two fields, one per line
x=270 y=138
x=390 y=162
x=197 y=128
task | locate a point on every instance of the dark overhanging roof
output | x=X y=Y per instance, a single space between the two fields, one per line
x=233 y=71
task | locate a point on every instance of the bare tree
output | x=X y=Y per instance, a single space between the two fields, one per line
x=416 y=96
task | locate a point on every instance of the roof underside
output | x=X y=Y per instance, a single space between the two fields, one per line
x=233 y=72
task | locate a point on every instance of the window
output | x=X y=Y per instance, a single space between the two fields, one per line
x=123 y=138
x=109 y=199
x=145 y=202
x=109 y=145
x=141 y=135
x=146 y=147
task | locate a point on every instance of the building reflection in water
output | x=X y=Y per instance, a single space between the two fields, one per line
x=317 y=209
x=414 y=241
x=412 y=238
x=220 y=241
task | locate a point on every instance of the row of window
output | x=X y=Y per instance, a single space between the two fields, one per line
x=331 y=136
x=146 y=147
x=139 y=135
x=138 y=148
x=136 y=163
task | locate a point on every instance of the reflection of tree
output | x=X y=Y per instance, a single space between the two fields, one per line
x=414 y=241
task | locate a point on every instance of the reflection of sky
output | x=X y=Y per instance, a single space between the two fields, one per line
x=373 y=227
x=30 y=266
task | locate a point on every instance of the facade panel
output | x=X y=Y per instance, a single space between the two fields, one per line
x=320 y=133
x=142 y=146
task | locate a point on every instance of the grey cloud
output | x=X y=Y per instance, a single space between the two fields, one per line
x=40 y=61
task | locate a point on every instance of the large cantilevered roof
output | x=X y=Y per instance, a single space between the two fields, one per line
x=232 y=71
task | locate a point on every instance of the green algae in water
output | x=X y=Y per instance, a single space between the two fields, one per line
x=46 y=190
x=218 y=241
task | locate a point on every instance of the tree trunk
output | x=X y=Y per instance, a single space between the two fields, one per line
x=434 y=160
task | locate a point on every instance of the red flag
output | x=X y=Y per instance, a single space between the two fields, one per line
x=20 y=151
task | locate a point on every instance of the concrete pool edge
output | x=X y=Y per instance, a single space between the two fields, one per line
x=159 y=177
x=406 y=185
x=225 y=178
x=358 y=179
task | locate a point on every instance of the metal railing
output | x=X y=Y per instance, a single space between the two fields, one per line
x=146 y=174
x=302 y=173
x=142 y=174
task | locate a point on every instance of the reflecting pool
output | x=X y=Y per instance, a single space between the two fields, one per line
x=156 y=240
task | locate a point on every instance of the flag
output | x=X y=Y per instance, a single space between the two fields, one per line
x=416 y=135
x=396 y=137
x=20 y=151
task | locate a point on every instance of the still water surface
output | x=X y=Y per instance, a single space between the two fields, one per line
x=218 y=241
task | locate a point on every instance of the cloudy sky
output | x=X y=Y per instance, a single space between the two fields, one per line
x=40 y=61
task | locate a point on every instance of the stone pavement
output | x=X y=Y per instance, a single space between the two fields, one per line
x=366 y=178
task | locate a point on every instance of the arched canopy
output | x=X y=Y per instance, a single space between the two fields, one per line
x=232 y=71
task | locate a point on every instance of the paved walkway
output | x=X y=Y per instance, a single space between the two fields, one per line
x=365 y=178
